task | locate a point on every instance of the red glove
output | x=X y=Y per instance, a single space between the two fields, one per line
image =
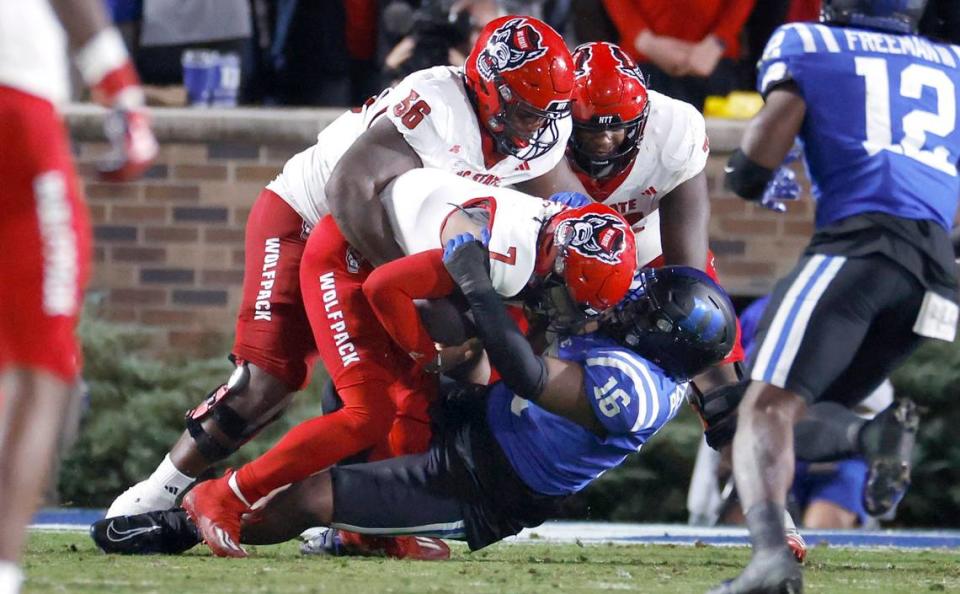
x=105 y=66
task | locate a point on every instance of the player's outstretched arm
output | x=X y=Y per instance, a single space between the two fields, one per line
x=102 y=60
x=353 y=192
x=684 y=223
x=767 y=140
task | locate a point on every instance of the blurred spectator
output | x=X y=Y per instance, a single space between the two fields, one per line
x=689 y=48
x=171 y=26
x=803 y=11
x=591 y=22
x=764 y=19
x=436 y=33
x=941 y=21
x=302 y=56
x=126 y=15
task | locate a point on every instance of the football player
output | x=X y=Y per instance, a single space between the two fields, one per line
x=501 y=120
x=875 y=108
x=507 y=455
x=45 y=233
x=643 y=153
x=354 y=309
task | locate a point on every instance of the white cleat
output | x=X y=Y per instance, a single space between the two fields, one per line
x=145 y=496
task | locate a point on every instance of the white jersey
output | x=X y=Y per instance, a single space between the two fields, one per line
x=674 y=149
x=419 y=202
x=430 y=108
x=33 y=50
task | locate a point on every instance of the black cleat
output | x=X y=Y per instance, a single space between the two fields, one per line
x=153 y=533
x=773 y=572
x=887 y=444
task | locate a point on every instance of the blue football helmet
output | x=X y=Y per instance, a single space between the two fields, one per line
x=896 y=16
x=676 y=317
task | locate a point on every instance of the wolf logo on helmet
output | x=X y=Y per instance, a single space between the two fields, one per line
x=581 y=62
x=626 y=64
x=599 y=236
x=510 y=47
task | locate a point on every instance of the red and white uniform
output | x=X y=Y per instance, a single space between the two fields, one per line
x=674 y=149
x=354 y=346
x=430 y=108
x=419 y=202
x=375 y=377
x=33 y=50
x=44 y=230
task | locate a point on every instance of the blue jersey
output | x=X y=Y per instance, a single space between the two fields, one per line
x=880 y=132
x=631 y=397
x=750 y=322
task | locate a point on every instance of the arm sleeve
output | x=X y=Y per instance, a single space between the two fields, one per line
x=390 y=289
x=731 y=21
x=521 y=369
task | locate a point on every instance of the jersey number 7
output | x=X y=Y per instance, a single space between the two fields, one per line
x=915 y=124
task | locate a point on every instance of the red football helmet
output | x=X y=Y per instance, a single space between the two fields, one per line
x=592 y=251
x=520 y=71
x=610 y=94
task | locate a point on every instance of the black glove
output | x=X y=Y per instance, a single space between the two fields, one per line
x=466 y=259
x=718 y=412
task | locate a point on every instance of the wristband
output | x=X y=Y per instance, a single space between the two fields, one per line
x=105 y=66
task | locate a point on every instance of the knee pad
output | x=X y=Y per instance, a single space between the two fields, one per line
x=215 y=407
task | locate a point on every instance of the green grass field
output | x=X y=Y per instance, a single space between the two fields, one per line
x=68 y=562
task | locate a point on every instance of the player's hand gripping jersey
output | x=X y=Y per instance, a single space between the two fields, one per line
x=419 y=202
x=889 y=144
x=674 y=148
x=631 y=397
x=430 y=108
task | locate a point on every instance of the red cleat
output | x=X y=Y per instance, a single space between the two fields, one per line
x=216 y=510
x=420 y=548
x=797 y=545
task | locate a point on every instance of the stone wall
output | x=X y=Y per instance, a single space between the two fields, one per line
x=169 y=248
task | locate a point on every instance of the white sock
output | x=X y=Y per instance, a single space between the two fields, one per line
x=788 y=523
x=172 y=481
x=10 y=577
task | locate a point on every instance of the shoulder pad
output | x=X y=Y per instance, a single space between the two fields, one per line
x=680 y=134
x=423 y=109
x=788 y=46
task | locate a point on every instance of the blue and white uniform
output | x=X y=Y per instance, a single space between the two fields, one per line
x=631 y=397
x=881 y=131
x=506 y=464
x=881 y=140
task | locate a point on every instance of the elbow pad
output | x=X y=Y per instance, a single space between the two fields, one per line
x=746 y=178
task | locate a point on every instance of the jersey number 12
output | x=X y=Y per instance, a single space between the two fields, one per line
x=917 y=123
